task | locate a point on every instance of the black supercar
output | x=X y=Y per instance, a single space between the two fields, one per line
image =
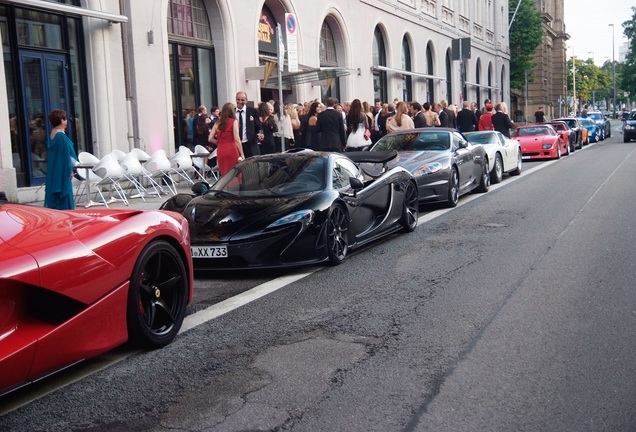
x=296 y=208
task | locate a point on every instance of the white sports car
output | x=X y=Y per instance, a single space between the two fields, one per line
x=504 y=154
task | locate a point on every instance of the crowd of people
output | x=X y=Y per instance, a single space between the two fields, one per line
x=237 y=130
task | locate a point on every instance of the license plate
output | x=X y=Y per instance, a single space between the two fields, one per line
x=208 y=251
x=525 y=157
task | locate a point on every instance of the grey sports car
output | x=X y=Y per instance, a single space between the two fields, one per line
x=445 y=165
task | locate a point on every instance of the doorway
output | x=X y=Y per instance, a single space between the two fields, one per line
x=44 y=88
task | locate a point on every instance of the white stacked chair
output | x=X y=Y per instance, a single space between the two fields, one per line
x=158 y=167
x=132 y=171
x=181 y=163
x=111 y=173
x=203 y=170
x=85 y=186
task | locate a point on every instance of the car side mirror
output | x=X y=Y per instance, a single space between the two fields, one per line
x=356 y=183
x=200 y=188
x=463 y=144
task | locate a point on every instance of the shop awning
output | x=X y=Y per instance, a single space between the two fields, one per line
x=407 y=72
x=482 y=86
x=317 y=74
x=59 y=7
x=268 y=73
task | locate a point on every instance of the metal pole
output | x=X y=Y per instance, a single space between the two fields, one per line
x=281 y=60
x=574 y=82
x=525 y=110
x=613 y=73
x=514 y=15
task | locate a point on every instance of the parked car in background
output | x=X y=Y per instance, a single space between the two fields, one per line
x=593 y=129
x=504 y=154
x=444 y=164
x=574 y=124
x=566 y=133
x=629 y=127
x=540 y=141
x=75 y=284
x=603 y=122
x=296 y=208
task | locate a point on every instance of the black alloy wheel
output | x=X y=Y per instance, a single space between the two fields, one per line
x=484 y=183
x=453 y=188
x=158 y=296
x=410 y=211
x=337 y=235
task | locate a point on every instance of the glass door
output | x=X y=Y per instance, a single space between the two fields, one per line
x=45 y=88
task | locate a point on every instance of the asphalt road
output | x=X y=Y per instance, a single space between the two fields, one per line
x=514 y=311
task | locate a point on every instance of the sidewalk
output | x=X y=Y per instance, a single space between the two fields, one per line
x=151 y=201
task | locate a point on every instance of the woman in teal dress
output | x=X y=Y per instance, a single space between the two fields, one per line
x=61 y=158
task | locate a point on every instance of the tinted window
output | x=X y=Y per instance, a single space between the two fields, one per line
x=343 y=170
x=481 y=137
x=415 y=141
x=280 y=174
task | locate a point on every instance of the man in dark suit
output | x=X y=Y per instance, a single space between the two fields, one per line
x=250 y=127
x=501 y=122
x=330 y=128
x=466 y=119
x=416 y=114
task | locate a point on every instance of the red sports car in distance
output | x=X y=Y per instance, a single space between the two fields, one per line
x=75 y=284
x=540 y=141
x=565 y=132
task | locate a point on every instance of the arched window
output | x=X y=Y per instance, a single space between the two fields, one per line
x=430 y=85
x=328 y=58
x=477 y=81
x=379 y=59
x=407 y=80
x=192 y=69
x=449 y=78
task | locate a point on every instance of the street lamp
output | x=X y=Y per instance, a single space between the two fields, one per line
x=574 y=81
x=613 y=73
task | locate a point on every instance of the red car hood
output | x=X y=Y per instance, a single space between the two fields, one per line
x=33 y=228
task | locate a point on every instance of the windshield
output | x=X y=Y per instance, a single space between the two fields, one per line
x=481 y=137
x=587 y=122
x=414 y=141
x=595 y=116
x=558 y=126
x=531 y=131
x=632 y=116
x=279 y=174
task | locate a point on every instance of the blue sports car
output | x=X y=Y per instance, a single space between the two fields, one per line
x=593 y=129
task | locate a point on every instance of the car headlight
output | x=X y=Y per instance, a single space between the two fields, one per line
x=629 y=127
x=547 y=146
x=305 y=217
x=430 y=168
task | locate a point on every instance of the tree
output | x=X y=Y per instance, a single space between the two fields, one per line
x=526 y=35
x=628 y=68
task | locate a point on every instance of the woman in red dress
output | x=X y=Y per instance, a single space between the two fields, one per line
x=225 y=135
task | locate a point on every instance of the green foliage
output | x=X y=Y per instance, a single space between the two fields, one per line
x=526 y=35
x=592 y=82
x=626 y=80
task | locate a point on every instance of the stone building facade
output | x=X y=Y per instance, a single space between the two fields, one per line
x=548 y=89
x=129 y=72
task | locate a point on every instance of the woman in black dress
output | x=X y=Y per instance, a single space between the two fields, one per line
x=268 y=145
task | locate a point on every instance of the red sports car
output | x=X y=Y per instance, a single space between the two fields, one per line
x=75 y=284
x=540 y=141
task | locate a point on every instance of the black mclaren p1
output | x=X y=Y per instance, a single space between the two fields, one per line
x=296 y=208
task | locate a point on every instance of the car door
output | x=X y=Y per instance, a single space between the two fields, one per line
x=465 y=157
x=368 y=208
